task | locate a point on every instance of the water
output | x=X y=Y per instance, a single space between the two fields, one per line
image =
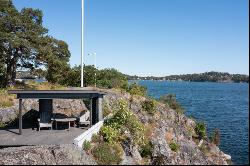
x=219 y=105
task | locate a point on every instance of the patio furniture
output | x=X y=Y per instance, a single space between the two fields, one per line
x=64 y=120
x=45 y=113
x=44 y=120
x=84 y=119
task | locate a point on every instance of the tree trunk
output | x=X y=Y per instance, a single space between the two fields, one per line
x=8 y=74
x=13 y=75
x=11 y=71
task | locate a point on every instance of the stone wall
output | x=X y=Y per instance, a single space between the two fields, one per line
x=70 y=107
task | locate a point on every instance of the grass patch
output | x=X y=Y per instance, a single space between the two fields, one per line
x=174 y=146
x=149 y=106
x=146 y=150
x=106 y=154
x=6 y=100
x=86 y=145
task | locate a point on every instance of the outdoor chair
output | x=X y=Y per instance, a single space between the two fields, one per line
x=44 y=120
x=84 y=119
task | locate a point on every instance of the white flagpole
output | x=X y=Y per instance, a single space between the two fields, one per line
x=82 y=43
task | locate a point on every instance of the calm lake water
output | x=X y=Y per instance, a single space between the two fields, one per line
x=219 y=105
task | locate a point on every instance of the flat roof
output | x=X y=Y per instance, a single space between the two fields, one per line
x=57 y=94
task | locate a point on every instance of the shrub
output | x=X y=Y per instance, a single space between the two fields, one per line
x=147 y=149
x=135 y=89
x=96 y=138
x=123 y=120
x=86 y=145
x=106 y=154
x=200 y=130
x=170 y=100
x=149 y=106
x=215 y=138
x=109 y=134
x=174 y=146
x=2 y=125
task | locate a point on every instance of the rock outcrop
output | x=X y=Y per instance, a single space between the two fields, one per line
x=45 y=155
x=168 y=126
x=69 y=107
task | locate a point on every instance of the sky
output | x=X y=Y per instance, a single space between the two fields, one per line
x=153 y=37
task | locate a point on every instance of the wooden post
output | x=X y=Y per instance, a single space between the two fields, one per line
x=20 y=117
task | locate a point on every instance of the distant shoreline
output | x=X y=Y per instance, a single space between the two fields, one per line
x=219 y=77
x=191 y=81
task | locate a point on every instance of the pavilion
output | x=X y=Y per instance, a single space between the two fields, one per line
x=45 y=99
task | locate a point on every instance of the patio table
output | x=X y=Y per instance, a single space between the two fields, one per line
x=65 y=120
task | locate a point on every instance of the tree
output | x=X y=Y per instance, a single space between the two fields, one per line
x=111 y=78
x=24 y=42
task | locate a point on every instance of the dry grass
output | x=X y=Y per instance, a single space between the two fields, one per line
x=6 y=100
x=149 y=129
x=31 y=85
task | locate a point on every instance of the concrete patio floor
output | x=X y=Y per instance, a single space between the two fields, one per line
x=10 y=137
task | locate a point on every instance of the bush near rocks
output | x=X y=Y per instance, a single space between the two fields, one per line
x=86 y=145
x=135 y=89
x=174 y=146
x=146 y=150
x=123 y=121
x=200 y=130
x=149 y=106
x=106 y=154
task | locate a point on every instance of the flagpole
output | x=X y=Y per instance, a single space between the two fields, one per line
x=82 y=43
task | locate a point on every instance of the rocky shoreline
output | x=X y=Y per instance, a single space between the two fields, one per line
x=167 y=125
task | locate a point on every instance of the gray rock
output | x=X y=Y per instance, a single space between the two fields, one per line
x=45 y=155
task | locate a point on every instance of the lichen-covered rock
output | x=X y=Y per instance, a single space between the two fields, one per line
x=45 y=155
x=7 y=114
x=169 y=126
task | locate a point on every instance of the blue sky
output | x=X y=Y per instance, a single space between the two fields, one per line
x=153 y=37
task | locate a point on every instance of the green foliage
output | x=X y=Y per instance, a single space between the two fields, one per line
x=135 y=89
x=86 y=145
x=170 y=100
x=146 y=150
x=174 y=146
x=110 y=134
x=106 y=154
x=202 y=77
x=123 y=120
x=2 y=125
x=25 y=44
x=215 y=138
x=200 y=130
x=149 y=106
x=111 y=78
x=61 y=73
